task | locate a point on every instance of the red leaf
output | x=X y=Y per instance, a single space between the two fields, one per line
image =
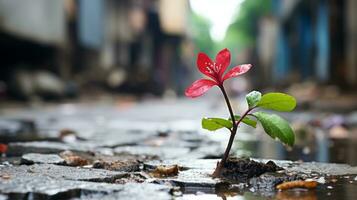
x=236 y=71
x=223 y=59
x=199 y=87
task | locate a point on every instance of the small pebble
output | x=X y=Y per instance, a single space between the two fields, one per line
x=304 y=176
x=7 y=163
x=321 y=180
x=177 y=193
x=329 y=187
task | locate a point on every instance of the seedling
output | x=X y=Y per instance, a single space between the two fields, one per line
x=274 y=125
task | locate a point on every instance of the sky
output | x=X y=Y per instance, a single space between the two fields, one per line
x=219 y=12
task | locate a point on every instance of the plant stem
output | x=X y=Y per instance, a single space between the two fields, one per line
x=233 y=130
x=220 y=165
x=231 y=138
x=228 y=103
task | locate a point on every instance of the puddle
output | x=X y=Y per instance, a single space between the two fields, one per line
x=319 y=148
x=343 y=189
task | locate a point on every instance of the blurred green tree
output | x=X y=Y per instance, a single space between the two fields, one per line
x=200 y=28
x=242 y=33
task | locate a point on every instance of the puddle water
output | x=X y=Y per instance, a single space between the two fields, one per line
x=319 y=148
x=344 y=189
x=338 y=191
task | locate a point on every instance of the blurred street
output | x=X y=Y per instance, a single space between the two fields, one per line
x=130 y=130
x=322 y=135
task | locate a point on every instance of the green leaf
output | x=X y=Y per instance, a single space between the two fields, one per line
x=247 y=120
x=277 y=101
x=213 y=124
x=253 y=98
x=276 y=127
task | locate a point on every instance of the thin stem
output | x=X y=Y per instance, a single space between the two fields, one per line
x=231 y=138
x=228 y=103
x=233 y=133
x=244 y=115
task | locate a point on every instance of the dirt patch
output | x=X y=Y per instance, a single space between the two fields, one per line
x=118 y=165
x=242 y=169
x=73 y=159
x=165 y=171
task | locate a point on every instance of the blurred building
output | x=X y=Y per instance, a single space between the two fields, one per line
x=312 y=39
x=128 y=46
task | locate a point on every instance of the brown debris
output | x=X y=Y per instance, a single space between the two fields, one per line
x=297 y=184
x=72 y=159
x=5 y=176
x=65 y=132
x=68 y=135
x=117 y=165
x=165 y=171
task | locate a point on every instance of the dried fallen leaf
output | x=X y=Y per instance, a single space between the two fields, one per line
x=165 y=171
x=73 y=159
x=5 y=176
x=76 y=161
x=297 y=184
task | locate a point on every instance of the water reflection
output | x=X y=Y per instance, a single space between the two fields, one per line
x=214 y=197
x=312 y=144
x=298 y=194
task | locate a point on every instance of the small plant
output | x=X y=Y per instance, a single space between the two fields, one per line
x=275 y=126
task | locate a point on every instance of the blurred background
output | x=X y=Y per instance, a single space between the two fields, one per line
x=69 y=50
x=63 y=48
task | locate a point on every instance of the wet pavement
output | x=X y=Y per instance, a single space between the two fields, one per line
x=111 y=151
